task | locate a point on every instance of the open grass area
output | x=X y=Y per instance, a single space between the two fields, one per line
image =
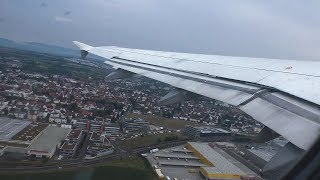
x=161 y=121
x=134 y=168
x=148 y=140
x=51 y=64
x=6 y=143
x=29 y=132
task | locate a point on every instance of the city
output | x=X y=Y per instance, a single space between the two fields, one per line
x=48 y=118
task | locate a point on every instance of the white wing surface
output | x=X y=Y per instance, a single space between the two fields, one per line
x=284 y=95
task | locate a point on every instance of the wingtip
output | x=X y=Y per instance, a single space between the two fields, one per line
x=82 y=46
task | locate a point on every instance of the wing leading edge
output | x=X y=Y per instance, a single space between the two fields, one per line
x=284 y=95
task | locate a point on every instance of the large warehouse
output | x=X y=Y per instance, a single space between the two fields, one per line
x=10 y=127
x=46 y=144
x=204 y=131
x=218 y=167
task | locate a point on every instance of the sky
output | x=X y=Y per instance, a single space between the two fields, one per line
x=284 y=29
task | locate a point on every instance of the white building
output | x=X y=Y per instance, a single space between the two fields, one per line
x=47 y=143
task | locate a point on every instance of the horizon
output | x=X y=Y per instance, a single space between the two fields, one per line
x=247 y=28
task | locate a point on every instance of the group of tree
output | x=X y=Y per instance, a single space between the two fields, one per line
x=168 y=138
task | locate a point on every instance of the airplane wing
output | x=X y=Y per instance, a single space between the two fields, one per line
x=284 y=95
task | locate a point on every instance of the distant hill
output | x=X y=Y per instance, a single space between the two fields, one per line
x=43 y=48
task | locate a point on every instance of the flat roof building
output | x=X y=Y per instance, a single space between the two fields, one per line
x=99 y=147
x=10 y=127
x=215 y=173
x=198 y=161
x=83 y=125
x=96 y=137
x=74 y=136
x=90 y=126
x=204 y=131
x=72 y=142
x=96 y=127
x=68 y=149
x=132 y=125
x=46 y=144
x=112 y=130
x=218 y=167
x=30 y=132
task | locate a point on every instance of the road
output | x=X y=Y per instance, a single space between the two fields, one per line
x=76 y=163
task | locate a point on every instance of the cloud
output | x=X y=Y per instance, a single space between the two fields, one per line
x=62 y=19
x=288 y=34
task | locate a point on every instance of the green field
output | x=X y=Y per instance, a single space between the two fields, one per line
x=52 y=65
x=130 y=168
x=161 y=121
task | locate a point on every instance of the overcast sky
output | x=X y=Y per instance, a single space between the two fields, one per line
x=272 y=28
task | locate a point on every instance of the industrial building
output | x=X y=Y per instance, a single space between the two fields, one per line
x=83 y=125
x=68 y=150
x=97 y=126
x=216 y=173
x=99 y=150
x=10 y=127
x=135 y=124
x=198 y=160
x=47 y=143
x=29 y=133
x=91 y=126
x=204 y=131
x=99 y=146
x=218 y=166
x=75 y=136
x=96 y=138
x=17 y=135
x=72 y=142
x=112 y=130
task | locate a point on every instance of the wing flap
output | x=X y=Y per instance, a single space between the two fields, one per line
x=296 y=127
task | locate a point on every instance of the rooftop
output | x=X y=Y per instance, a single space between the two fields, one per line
x=208 y=129
x=29 y=132
x=68 y=146
x=4 y=143
x=174 y=162
x=49 y=139
x=211 y=170
x=112 y=125
x=215 y=158
x=10 y=127
x=176 y=155
x=95 y=136
x=74 y=134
